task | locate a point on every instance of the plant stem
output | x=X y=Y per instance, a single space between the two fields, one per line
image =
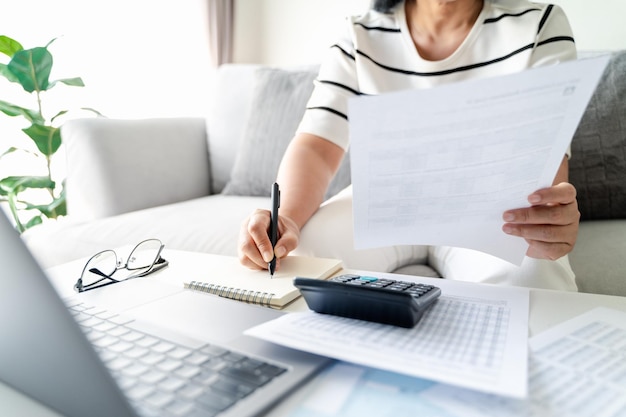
x=48 y=157
x=16 y=217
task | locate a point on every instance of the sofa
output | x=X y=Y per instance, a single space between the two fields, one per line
x=191 y=181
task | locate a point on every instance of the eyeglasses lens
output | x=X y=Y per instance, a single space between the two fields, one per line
x=101 y=264
x=144 y=255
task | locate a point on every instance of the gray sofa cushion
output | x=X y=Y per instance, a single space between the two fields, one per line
x=598 y=163
x=278 y=103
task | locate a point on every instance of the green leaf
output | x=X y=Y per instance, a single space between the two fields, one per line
x=53 y=210
x=96 y=112
x=12 y=110
x=9 y=46
x=32 y=68
x=50 y=43
x=33 y=222
x=8 y=151
x=74 y=82
x=59 y=114
x=4 y=71
x=15 y=184
x=47 y=138
x=12 y=200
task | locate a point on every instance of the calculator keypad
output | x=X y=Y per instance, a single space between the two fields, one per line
x=415 y=289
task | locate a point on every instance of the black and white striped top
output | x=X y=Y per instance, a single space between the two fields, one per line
x=377 y=55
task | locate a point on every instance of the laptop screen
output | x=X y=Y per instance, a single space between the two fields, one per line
x=43 y=352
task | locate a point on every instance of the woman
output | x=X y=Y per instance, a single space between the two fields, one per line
x=421 y=44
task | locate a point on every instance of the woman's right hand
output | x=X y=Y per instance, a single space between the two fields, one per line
x=255 y=249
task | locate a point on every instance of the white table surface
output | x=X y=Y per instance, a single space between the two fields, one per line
x=547 y=309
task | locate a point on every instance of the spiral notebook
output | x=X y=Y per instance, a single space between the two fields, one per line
x=230 y=279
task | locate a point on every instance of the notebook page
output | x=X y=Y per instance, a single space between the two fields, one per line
x=228 y=278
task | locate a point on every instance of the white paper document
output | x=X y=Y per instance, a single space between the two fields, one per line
x=440 y=166
x=474 y=336
x=577 y=369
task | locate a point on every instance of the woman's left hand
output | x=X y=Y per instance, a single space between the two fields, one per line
x=550 y=225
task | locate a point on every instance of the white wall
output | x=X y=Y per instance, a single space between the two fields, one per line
x=138 y=58
x=597 y=25
x=288 y=32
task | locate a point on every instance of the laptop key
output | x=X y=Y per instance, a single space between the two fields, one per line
x=271 y=370
x=152 y=358
x=136 y=352
x=206 y=377
x=172 y=384
x=169 y=365
x=216 y=401
x=119 y=363
x=179 y=353
x=160 y=399
x=202 y=412
x=187 y=371
x=232 y=386
x=152 y=377
x=216 y=364
x=190 y=391
x=135 y=370
x=197 y=358
x=179 y=408
x=140 y=391
x=133 y=336
x=253 y=377
x=213 y=350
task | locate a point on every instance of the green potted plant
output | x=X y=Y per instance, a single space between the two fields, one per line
x=31 y=69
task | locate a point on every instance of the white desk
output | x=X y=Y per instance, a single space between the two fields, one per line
x=547 y=309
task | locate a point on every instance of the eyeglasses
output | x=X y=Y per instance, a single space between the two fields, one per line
x=143 y=260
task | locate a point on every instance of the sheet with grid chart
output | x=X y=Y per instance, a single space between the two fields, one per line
x=474 y=337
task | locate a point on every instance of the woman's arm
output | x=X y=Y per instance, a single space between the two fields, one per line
x=308 y=166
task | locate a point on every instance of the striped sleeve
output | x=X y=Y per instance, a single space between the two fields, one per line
x=326 y=114
x=555 y=41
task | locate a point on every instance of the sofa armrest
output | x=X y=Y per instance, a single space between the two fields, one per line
x=117 y=166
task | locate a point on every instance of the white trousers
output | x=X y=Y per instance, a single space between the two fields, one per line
x=329 y=233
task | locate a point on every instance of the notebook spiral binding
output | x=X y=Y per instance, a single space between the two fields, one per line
x=250 y=297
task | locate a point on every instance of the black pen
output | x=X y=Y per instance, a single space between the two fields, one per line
x=274 y=226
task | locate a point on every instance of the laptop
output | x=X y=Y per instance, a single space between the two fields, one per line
x=50 y=353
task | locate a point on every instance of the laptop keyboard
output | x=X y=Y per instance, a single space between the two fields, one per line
x=171 y=376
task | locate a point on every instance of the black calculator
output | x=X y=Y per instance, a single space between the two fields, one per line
x=381 y=300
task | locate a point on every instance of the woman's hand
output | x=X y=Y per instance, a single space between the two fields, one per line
x=550 y=225
x=255 y=249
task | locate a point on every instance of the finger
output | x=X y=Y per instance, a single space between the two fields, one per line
x=249 y=255
x=563 y=193
x=249 y=263
x=543 y=232
x=545 y=242
x=258 y=226
x=289 y=237
x=561 y=214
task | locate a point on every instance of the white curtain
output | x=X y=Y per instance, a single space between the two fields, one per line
x=221 y=18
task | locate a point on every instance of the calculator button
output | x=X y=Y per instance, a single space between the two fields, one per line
x=368 y=279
